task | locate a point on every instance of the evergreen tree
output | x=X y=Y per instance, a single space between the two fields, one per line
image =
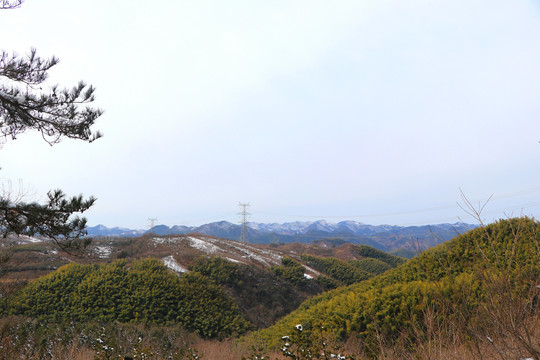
x=25 y=104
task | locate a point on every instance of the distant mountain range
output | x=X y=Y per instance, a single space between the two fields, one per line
x=383 y=237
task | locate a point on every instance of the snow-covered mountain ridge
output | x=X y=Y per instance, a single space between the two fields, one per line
x=384 y=237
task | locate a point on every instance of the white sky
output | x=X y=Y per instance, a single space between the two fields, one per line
x=377 y=111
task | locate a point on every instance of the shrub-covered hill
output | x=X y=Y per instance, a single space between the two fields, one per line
x=368 y=262
x=368 y=252
x=266 y=295
x=243 y=274
x=260 y=294
x=145 y=291
x=458 y=286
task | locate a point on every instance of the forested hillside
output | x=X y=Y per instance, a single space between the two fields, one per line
x=207 y=294
x=144 y=291
x=481 y=285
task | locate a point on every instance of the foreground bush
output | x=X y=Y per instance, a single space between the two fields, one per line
x=143 y=292
x=23 y=338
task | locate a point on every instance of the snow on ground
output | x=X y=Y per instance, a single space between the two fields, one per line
x=274 y=255
x=172 y=264
x=249 y=252
x=103 y=251
x=31 y=239
x=311 y=270
x=204 y=245
x=158 y=240
x=234 y=260
x=211 y=246
x=166 y=240
x=24 y=239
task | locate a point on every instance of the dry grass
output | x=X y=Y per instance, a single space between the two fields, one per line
x=438 y=348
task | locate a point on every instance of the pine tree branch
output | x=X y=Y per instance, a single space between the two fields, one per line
x=24 y=105
x=56 y=114
x=52 y=220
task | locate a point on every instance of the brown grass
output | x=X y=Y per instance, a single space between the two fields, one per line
x=437 y=347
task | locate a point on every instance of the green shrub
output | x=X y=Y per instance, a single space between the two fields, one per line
x=370 y=265
x=291 y=271
x=339 y=270
x=370 y=252
x=143 y=292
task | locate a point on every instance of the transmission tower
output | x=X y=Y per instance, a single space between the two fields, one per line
x=152 y=222
x=244 y=215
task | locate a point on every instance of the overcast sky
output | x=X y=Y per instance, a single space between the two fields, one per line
x=377 y=111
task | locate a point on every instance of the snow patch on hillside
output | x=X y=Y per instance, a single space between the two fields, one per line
x=172 y=264
x=204 y=245
x=32 y=239
x=274 y=255
x=234 y=260
x=311 y=270
x=166 y=240
x=22 y=239
x=236 y=251
x=268 y=258
x=103 y=252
